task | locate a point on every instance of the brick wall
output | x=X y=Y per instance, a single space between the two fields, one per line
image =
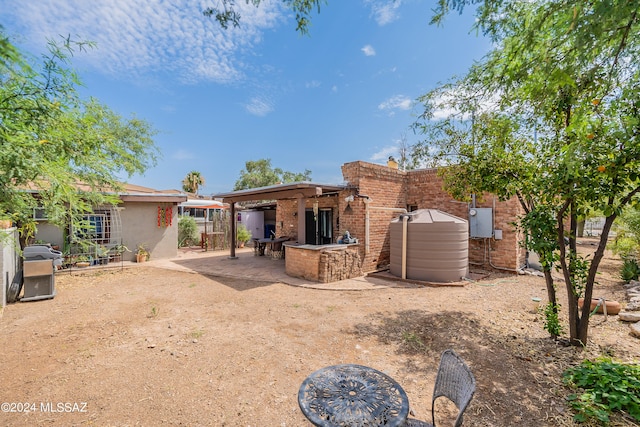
x=302 y=263
x=426 y=192
x=388 y=189
x=286 y=221
x=423 y=189
x=287 y=211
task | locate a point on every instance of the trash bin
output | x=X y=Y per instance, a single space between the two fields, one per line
x=40 y=262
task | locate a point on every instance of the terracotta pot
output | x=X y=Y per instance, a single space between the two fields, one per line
x=613 y=307
x=141 y=257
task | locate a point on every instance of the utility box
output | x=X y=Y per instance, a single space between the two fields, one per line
x=480 y=222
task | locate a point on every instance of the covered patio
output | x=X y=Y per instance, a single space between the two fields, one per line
x=300 y=192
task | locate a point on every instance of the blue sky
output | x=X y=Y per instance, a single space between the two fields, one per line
x=219 y=98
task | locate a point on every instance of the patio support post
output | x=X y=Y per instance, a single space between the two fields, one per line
x=302 y=232
x=233 y=231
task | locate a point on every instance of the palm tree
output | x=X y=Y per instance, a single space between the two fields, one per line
x=192 y=182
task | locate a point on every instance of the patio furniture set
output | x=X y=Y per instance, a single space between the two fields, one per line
x=356 y=395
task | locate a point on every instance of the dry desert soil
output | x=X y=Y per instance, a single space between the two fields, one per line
x=153 y=346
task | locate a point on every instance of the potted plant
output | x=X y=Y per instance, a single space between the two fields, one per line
x=117 y=251
x=142 y=253
x=83 y=261
x=242 y=235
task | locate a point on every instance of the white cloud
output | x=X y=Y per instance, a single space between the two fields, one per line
x=313 y=84
x=136 y=38
x=369 y=50
x=384 y=153
x=384 y=11
x=259 y=106
x=398 y=102
x=444 y=106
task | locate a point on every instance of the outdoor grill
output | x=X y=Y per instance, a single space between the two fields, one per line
x=40 y=262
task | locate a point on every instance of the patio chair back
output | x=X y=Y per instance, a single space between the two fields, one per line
x=456 y=382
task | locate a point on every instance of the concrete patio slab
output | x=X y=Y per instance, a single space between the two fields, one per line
x=259 y=268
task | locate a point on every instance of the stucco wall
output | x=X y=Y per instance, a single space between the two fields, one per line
x=140 y=226
x=9 y=261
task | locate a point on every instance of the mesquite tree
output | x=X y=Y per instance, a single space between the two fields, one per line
x=58 y=151
x=551 y=116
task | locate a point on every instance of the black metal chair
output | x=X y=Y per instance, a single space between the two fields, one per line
x=453 y=381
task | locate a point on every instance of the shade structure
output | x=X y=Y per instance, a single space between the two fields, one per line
x=437 y=246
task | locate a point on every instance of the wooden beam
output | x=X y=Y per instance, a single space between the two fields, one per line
x=275 y=195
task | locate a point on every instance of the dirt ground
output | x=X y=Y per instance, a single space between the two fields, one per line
x=149 y=346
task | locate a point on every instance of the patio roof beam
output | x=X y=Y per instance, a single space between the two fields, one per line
x=274 y=195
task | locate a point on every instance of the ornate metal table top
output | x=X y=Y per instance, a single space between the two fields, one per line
x=352 y=395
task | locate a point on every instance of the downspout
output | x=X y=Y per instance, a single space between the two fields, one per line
x=405 y=227
x=368 y=200
x=378 y=208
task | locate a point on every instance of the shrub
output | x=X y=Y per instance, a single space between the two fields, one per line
x=187 y=231
x=630 y=269
x=627 y=228
x=603 y=386
x=243 y=235
x=551 y=319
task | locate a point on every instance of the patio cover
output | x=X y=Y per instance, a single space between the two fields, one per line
x=295 y=190
x=279 y=192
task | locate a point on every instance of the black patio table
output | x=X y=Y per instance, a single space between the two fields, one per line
x=352 y=395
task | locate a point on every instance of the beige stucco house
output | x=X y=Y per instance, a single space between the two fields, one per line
x=144 y=217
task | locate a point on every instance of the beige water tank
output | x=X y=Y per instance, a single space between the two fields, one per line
x=437 y=246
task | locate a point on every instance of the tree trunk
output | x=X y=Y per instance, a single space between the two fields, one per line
x=583 y=321
x=551 y=293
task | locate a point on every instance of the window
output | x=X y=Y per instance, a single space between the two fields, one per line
x=39 y=214
x=95 y=227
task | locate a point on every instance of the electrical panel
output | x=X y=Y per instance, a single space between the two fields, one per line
x=480 y=222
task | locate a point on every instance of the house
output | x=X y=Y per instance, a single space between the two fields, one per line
x=144 y=217
x=314 y=216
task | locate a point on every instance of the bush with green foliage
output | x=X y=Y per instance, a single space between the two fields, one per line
x=604 y=386
x=187 y=232
x=627 y=228
x=551 y=319
x=243 y=235
x=630 y=269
